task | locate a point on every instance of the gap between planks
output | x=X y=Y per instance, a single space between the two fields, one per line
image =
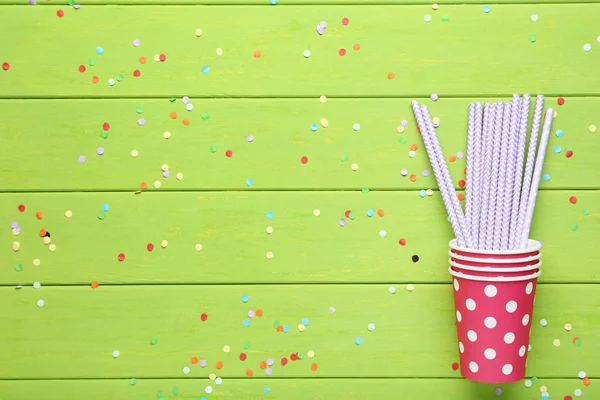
x=299 y=283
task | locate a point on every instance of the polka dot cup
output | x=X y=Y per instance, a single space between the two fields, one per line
x=495 y=262
x=533 y=249
x=493 y=321
x=495 y=272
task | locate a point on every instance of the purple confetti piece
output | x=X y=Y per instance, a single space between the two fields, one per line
x=425 y=172
x=81 y=159
x=141 y=122
x=14 y=225
x=268 y=371
x=250 y=138
x=136 y=42
x=487 y=144
x=342 y=222
x=507 y=196
x=434 y=97
x=533 y=138
x=185 y=99
x=320 y=29
x=33 y=2
x=501 y=177
x=404 y=123
x=513 y=236
x=251 y=314
x=270 y=361
x=77 y=6
x=323 y=24
x=18 y=229
x=100 y=151
x=166 y=174
x=332 y=310
x=202 y=363
x=537 y=173
x=403 y=172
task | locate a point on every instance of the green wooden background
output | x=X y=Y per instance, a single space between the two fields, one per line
x=296 y=264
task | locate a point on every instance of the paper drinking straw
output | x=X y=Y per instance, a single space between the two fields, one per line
x=533 y=139
x=470 y=167
x=477 y=175
x=487 y=137
x=510 y=172
x=491 y=214
x=438 y=172
x=535 y=181
x=513 y=235
x=501 y=176
x=446 y=175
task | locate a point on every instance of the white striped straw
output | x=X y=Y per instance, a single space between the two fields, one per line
x=535 y=128
x=477 y=176
x=500 y=177
x=509 y=179
x=489 y=112
x=518 y=175
x=439 y=172
x=470 y=189
x=502 y=118
x=447 y=178
x=535 y=182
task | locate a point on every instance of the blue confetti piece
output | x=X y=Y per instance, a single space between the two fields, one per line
x=246 y=322
x=249 y=182
x=286 y=328
x=105 y=207
x=273 y=2
x=422 y=193
x=304 y=321
x=546 y=177
x=370 y=212
x=205 y=70
x=559 y=133
x=266 y=389
x=245 y=298
x=557 y=149
x=99 y=50
x=486 y=9
x=314 y=127
x=269 y=214
x=358 y=340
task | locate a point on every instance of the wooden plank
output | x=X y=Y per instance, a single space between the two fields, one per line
x=75 y=333
x=41 y=153
x=284 y=389
x=472 y=54
x=231 y=227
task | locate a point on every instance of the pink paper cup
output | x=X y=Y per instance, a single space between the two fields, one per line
x=495 y=263
x=487 y=274
x=533 y=248
x=491 y=271
x=493 y=322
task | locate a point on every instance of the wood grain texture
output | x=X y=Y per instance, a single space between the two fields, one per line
x=76 y=332
x=231 y=227
x=284 y=389
x=42 y=141
x=472 y=53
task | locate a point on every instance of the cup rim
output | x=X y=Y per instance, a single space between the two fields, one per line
x=494 y=278
x=532 y=245
x=492 y=269
x=495 y=260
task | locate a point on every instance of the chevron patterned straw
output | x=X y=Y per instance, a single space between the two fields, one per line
x=527 y=176
x=442 y=174
x=514 y=239
x=535 y=181
x=509 y=179
x=477 y=173
x=471 y=154
x=487 y=138
x=491 y=214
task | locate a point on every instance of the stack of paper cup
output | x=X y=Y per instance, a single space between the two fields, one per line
x=494 y=294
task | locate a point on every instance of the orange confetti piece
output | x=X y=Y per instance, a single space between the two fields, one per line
x=143 y=60
x=280 y=328
x=452 y=158
x=391 y=75
x=356 y=46
x=461 y=196
x=586 y=381
x=412 y=177
x=263 y=365
x=380 y=212
x=575 y=339
x=143 y=185
x=94 y=285
x=314 y=367
x=173 y=114
x=249 y=372
x=257 y=54
x=95 y=79
x=219 y=365
x=186 y=121
x=259 y=313
x=39 y=215
x=414 y=147
x=194 y=360
x=43 y=232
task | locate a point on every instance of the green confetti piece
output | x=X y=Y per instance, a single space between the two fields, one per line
x=575 y=227
x=247 y=345
x=445 y=18
x=534 y=379
x=275 y=323
x=352 y=215
x=71 y=3
x=153 y=341
x=19 y=267
x=365 y=190
x=101 y=215
x=139 y=109
x=585 y=211
x=344 y=158
x=175 y=390
x=402 y=139
x=213 y=148
x=205 y=116
x=172 y=99
x=120 y=77
x=132 y=381
x=92 y=62
x=578 y=342
x=104 y=134
x=301 y=355
x=160 y=394
x=532 y=38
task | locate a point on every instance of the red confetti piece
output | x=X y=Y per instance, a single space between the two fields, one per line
x=345 y=21
x=5 y=66
x=567 y=397
x=60 y=13
x=229 y=153
x=293 y=357
x=402 y=242
x=573 y=199
x=560 y=101
x=81 y=68
x=455 y=366
x=569 y=153
x=162 y=57
x=284 y=361
x=304 y=160
x=461 y=183
x=347 y=213
x=21 y=208
x=204 y=317
x=121 y=256
x=136 y=73
x=150 y=247
x=342 y=52
x=243 y=356
x=106 y=126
